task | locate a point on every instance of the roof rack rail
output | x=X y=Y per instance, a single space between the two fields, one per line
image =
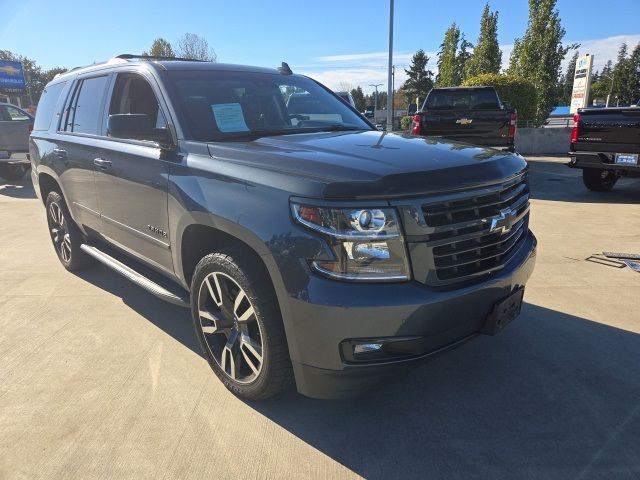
x=131 y=56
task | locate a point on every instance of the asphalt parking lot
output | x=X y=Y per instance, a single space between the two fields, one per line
x=99 y=379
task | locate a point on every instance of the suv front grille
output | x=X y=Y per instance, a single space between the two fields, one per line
x=460 y=239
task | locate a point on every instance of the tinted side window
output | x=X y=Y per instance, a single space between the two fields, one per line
x=133 y=94
x=84 y=113
x=47 y=105
x=4 y=114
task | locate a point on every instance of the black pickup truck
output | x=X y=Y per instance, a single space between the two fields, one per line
x=605 y=144
x=472 y=115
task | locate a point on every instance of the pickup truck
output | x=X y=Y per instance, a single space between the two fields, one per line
x=15 y=127
x=605 y=144
x=472 y=115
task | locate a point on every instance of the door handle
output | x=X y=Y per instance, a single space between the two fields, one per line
x=102 y=163
x=60 y=153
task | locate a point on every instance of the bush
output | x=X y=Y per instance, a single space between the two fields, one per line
x=518 y=92
x=405 y=122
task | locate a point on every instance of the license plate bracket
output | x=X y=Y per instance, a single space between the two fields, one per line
x=504 y=312
x=626 y=159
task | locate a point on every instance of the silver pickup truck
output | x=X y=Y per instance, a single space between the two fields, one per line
x=15 y=127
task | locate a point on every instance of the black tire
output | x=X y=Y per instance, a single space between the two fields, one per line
x=65 y=234
x=235 y=274
x=13 y=172
x=599 y=180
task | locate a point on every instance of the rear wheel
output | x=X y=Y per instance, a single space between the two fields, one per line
x=13 y=172
x=599 y=180
x=239 y=326
x=65 y=234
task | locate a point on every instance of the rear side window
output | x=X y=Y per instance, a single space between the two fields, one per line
x=83 y=115
x=462 y=100
x=47 y=105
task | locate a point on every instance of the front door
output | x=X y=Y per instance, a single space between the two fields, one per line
x=132 y=178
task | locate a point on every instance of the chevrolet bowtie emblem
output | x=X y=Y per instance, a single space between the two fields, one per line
x=504 y=221
x=464 y=121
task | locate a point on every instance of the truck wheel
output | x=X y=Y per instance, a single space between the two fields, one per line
x=65 y=234
x=13 y=172
x=238 y=324
x=599 y=180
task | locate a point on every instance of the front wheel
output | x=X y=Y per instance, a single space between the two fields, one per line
x=238 y=324
x=13 y=172
x=599 y=180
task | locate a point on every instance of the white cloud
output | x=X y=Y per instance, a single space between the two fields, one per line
x=367 y=68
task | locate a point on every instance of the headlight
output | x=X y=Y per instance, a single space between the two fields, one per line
x=367 y=242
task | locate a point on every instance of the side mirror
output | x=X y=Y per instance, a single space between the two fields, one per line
x=138 y=126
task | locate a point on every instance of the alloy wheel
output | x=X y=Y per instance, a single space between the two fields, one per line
x=230 y=328
x=59 y=232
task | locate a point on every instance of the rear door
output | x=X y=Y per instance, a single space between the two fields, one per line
x=132 y=175
x=15 y=126
x=467 y=115
x=76 y=148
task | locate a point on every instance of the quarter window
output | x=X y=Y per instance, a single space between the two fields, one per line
x=83 y=115
x=47 y=105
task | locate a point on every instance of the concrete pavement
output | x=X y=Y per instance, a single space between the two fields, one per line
x=99 y=379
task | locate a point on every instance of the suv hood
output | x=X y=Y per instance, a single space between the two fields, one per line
x=372 y=164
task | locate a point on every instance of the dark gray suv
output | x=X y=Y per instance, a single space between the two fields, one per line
x=310 y=247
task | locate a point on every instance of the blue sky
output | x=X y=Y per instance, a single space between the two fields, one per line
x=333 y=41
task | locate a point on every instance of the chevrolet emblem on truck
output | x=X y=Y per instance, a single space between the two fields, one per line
x=503 y=222
x=464 y=121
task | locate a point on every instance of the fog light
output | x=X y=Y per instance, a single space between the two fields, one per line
x=366 y=348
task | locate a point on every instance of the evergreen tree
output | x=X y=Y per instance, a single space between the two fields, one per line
x=358 y=98
x=420 y=80
x=538 y=54
x=635 y=74
x=486 y=57
x=161 y=48
x=623 y=77
x=463 y=59
x=448 y=68
x=567 y=84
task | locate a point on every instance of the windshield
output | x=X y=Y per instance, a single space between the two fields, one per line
x=231 y=105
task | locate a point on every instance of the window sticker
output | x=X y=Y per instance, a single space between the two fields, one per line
x=229 y=117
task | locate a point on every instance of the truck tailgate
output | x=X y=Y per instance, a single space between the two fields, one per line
x=478 y=127
x=614 y=130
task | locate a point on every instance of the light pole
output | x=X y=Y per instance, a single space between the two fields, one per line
x=610 y=77
x=375 y=99
x=390 y=73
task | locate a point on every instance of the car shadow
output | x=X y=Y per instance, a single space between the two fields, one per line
x=172 y=319
x=553 y=180
x=17 y=189
x=552 y=396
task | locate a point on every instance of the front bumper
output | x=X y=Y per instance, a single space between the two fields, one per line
x=332 y=312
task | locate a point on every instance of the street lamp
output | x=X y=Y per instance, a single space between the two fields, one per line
x=610 y=77
x=390 y=73
x=375 y=99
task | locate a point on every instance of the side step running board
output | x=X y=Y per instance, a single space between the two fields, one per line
x=136 y=277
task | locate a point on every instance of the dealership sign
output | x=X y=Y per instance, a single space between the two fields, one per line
x=581 y=83
x=11 y=75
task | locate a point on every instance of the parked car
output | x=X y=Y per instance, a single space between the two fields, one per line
x=347 y=97
x=308 y=248
x=15 y=126
x=473 y=115
x=369 y=111
x=605 y=144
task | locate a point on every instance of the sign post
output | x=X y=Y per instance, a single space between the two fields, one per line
x=581 y=83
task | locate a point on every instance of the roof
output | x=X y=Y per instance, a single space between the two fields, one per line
x=194 y=65
x=474 y=87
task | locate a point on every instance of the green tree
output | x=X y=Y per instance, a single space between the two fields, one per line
x=635 y=69
x=448 y=68
x=463 y=58
x=358 y=98
x=420 y=80
x=161 y=48
x=487 y=56
x=50 y=74
x=519 y=92
x=34 y=79
x=567 y=82
x=626 y=88
x=538 y=54
x=194 y=47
